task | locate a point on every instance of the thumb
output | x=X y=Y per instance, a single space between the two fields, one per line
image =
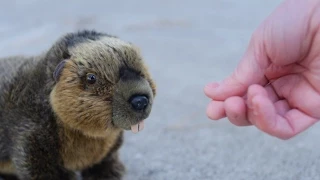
x=249 y=71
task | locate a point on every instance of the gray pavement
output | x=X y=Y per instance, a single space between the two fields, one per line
x=186 y=44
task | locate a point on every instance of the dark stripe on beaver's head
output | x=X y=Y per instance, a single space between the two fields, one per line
x=60 y=50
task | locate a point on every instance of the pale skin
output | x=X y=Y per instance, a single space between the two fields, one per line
x=276 y=85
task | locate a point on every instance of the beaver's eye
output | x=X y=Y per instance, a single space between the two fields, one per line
x=91 y=78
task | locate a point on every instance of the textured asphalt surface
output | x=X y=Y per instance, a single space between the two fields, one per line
x=186 y=44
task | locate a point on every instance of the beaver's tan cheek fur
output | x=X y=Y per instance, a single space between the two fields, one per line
x=86 y=133
x=78 y=110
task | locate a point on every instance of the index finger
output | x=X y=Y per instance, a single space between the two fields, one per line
x=250 y=70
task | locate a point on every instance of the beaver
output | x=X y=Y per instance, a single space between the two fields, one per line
x=63 y=112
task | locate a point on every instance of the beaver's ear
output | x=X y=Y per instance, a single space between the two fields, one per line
x=58 y=70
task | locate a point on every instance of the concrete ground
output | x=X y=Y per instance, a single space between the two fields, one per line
x=186 y=44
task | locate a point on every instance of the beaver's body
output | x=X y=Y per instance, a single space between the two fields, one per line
x=65 y=110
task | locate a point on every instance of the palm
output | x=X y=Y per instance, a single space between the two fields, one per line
x=295 y=86
x=294 y=92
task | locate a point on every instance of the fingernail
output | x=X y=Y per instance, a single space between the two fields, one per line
x=215 y=111
x=255 y=106
x=249 y=104
x=213 y=85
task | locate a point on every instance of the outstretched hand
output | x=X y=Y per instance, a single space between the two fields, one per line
x=276 y=86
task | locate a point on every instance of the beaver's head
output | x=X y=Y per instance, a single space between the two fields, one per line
x=101 y=84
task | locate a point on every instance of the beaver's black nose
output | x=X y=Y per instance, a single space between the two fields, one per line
x=139 y=102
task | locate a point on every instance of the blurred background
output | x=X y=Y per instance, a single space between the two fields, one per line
x=186 y=44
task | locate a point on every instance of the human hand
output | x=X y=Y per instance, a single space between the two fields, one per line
x=276 y=86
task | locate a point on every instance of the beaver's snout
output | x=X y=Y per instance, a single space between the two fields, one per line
x=132 y=101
